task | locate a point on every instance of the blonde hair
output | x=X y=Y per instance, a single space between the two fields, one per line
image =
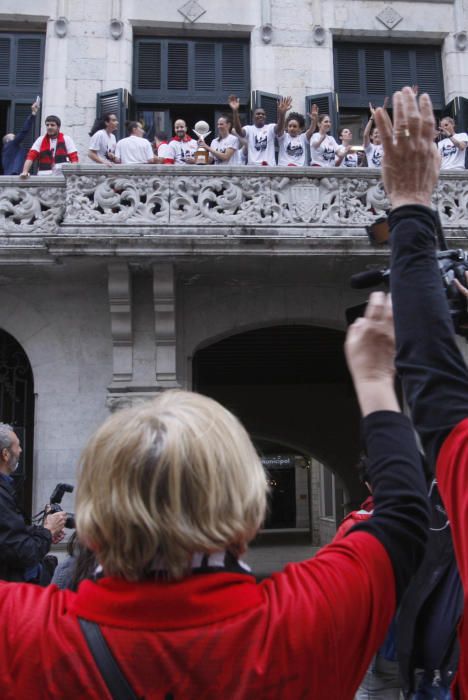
x=165 y=479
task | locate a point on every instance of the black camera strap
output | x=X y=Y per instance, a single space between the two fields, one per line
x=118 y=685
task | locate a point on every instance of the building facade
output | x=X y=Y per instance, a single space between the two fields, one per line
x=119 y=283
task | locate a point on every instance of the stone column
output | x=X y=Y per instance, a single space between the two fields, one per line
x=164 y=325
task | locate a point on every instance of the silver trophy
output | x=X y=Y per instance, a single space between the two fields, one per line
x=202 y=130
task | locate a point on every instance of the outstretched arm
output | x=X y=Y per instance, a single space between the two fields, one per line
x=234 y=104
x=400 y=515
x=284 y=105
x=313 y=114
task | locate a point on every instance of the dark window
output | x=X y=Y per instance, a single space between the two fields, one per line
x=367 y=72
x=180 y=71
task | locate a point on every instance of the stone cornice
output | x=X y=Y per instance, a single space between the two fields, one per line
x=161 y=211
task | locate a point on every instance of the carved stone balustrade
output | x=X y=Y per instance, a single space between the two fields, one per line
x=151 y=210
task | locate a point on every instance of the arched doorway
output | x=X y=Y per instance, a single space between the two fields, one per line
x=290 y=385
x=17 y=409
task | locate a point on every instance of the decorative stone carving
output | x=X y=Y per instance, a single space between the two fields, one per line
x=164 y=324
x=319 y=34
x=117 y=200
x=192 y=10
x=177 y=204
x=30 y=209
x=61 y=27
x=461 y=40
x=116 y=28
x=389 y=17
x=120 y=305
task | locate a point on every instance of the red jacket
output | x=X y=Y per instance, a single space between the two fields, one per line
x=306 y=633
x=452 y=479
x=356 y=516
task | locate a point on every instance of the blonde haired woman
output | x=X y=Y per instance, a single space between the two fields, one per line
x=169 y=496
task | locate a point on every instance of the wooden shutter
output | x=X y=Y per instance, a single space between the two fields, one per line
x=29 y=63
x=234 y=68
x=205 y=67
x=268 y=102
x=401 y=69
x=148 y=65
x=373 y=58
x=429 y=74
x=118 y=102
x=327 y=103
x=5 y=61
x=178 y=66
x=347 y=69
x=190 y=71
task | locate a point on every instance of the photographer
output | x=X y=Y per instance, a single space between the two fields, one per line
x=22 y=547
x=432 y=369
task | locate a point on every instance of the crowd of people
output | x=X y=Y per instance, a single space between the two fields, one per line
x=171 y=492
x=285 y=143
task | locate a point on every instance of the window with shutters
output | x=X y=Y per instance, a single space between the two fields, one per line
x=21 y=74
x=184 y=71
x=367 y=72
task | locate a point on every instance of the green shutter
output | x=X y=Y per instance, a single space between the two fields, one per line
x=5 y=60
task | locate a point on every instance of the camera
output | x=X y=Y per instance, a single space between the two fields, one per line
x=55 y=501
x=453 y=263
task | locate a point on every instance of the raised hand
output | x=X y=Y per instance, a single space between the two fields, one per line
x=234 y=103
x=284 y=104
x=411 y=162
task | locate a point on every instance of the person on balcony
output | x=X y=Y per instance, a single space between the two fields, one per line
x=183 y=146
x=345 y=157
x=294 y=143
x=162 y=148
x=372 y=144
x=323 y=147
x=13 y=154
x=260 y=136
x=103 y=142
x=134 y=148
x=51 y=151
x=451 y=146
x=225 y=149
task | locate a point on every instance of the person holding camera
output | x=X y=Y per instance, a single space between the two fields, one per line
x=22 y=547
x=451 y=146
x=433 y=372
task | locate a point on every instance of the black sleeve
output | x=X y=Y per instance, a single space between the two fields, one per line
x=20 y=546
x=401 y=510
x=429 y=363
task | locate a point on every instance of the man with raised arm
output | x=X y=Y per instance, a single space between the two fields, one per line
x=260 y=135
x=431 y=367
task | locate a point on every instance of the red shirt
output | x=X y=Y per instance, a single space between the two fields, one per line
x=305 y=633
x=452 y=479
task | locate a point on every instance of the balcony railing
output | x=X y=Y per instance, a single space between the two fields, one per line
x=95 y=209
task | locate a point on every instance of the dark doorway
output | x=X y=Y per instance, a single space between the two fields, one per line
x=290 y=385
x=17 y=409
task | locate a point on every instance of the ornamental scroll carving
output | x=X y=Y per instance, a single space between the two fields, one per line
x=30 y=210
x=153 y=202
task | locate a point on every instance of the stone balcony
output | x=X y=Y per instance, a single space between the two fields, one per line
x=161 y=210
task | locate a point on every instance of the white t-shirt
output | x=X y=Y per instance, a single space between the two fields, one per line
x=324 y=154
x=292 y=149
x=183 y=149
x=166 y=151
x=222 y=145
x=374 y=155
x=261 y=144
x=103 y=143
x=453 y=158
x=56 y=168
x=349 y=161
x=133 y=149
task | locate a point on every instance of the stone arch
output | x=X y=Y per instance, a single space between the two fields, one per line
x=288 y=383
x=17 y=408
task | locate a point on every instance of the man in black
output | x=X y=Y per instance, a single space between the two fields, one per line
x=13 y=154
x=22 y=547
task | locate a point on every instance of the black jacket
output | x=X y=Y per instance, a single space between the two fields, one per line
x=21 y=546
